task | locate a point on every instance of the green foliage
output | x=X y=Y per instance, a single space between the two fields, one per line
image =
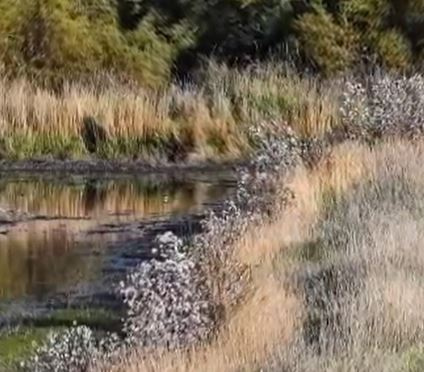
x=393 y=49
x=142 y=40
x=338 y=35
x=65 y=39
x=331 y=45
x=229 y=29
x=368 y=14
x=147 y=41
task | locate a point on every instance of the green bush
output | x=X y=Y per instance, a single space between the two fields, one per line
x=393 y=49
x=147 y=41
x=367 y=14
x=338 y=35
x=331 y=45
x=66 y=39
x=228 y=29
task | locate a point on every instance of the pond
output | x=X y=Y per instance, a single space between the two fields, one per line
x=58 y=233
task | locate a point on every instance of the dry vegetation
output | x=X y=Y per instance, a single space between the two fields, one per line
x=336 y=278
x=331 y=280
x=208 y=120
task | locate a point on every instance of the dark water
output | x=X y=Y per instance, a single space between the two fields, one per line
x=61 y=228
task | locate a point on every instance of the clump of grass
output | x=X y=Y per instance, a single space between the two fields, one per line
x=272 y=92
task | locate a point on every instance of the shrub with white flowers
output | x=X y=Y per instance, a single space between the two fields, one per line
x=384 y=105
x=177 y=299
x=73 y=350
x=168 y=303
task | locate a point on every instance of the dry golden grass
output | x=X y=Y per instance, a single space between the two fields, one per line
x=37 y=121
x=364 y=294
x=25 y=108
x=209 y=119
x=309 y=106
x=379 y=324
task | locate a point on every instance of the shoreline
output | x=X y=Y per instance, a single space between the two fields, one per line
x=99 y=166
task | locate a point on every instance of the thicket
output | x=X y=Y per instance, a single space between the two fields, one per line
x=149 y=41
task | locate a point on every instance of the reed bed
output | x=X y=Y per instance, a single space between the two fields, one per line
x=206 y=120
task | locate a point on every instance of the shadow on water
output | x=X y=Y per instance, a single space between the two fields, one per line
x=54 y=248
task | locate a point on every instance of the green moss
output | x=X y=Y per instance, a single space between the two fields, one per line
x=18 y=344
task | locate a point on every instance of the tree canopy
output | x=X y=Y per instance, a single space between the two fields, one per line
x=150 y=40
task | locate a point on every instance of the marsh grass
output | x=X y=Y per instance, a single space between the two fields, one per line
x=355 y=303
x=208 y=119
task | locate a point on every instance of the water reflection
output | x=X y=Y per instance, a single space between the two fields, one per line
x=38 y=257
x=53 y=252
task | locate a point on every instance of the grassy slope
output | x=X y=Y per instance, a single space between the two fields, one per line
x=337 y=276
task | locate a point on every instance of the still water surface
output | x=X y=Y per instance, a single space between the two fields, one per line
x=50 y=248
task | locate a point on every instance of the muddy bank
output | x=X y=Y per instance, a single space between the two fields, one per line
x=114 y=166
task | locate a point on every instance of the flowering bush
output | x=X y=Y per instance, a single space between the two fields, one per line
x=179 y=298
x=384 y=105
x=72 y=350
x=167 y=301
